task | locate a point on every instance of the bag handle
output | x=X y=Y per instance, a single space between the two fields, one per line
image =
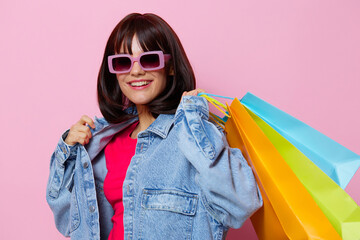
x=214 y=95
x=217 y=104
x=220 y=106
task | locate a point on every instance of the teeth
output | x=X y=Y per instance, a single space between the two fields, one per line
x=139 y=84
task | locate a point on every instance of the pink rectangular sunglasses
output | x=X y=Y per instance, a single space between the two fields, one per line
x=148 y=61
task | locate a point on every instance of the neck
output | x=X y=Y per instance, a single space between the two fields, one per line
x=145 y=120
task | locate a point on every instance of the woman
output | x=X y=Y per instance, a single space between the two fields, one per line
x=166 y=171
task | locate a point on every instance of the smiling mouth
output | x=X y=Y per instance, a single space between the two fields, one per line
x=139 y=83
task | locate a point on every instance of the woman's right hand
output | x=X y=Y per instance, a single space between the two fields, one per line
x=79 y=132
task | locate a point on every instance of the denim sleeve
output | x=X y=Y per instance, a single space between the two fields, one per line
x=229 y=190
x=60 y=183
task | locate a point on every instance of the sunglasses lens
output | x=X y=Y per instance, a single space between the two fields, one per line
x=121 y=64
x=150 y=61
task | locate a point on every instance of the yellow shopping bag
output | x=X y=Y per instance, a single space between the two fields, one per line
x=289 y=212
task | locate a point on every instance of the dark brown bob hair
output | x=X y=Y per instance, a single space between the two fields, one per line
x=153 y=34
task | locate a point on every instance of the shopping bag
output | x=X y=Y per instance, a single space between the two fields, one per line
x=342 y=212
x=264 y=221
x=294 y=212
x=338 y=162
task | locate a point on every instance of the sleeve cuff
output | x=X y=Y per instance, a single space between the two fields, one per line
x=63 y=150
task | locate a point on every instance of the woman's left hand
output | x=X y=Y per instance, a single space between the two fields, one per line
x=193 y=92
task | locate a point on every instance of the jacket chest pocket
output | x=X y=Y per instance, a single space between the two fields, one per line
x=167 y=214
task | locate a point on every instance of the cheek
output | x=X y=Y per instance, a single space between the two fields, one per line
x=120 y=79
x=163 y=79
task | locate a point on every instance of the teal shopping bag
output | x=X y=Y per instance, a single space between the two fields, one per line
x=338 y=162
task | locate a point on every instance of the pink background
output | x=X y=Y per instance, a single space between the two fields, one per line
x=301 y=56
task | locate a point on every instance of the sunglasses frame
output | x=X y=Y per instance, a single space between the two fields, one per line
x=162 y=59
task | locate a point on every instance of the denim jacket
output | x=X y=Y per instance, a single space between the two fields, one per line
x=184 y=181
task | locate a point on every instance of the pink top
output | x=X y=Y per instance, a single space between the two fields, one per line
x=118 y=154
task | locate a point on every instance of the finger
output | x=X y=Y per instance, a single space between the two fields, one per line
x=200 y=90
x=82 y=138
x=82 y=142
x=87 y=120
x=195 y=92
x=83 y=129
x=190 y=93
x=87 y=140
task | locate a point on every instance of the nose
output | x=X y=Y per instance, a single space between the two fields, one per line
x=136 y=69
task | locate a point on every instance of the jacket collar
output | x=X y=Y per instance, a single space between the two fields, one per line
x=162 y=125
x=104 y=131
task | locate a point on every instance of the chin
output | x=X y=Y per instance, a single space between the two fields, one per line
x=141 y=101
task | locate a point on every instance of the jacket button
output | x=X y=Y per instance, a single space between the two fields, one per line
x=86 y=165
x=91 y=208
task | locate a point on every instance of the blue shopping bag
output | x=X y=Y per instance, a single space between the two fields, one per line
x=338 y=162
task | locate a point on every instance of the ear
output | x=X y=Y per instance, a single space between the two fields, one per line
x=171 y=71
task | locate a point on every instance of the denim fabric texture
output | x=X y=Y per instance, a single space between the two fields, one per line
x=184 y=181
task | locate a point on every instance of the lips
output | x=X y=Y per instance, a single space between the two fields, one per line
x=139 y=84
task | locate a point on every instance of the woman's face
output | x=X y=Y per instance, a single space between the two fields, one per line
x=139 y=86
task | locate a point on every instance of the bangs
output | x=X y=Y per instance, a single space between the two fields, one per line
x=149 y=35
